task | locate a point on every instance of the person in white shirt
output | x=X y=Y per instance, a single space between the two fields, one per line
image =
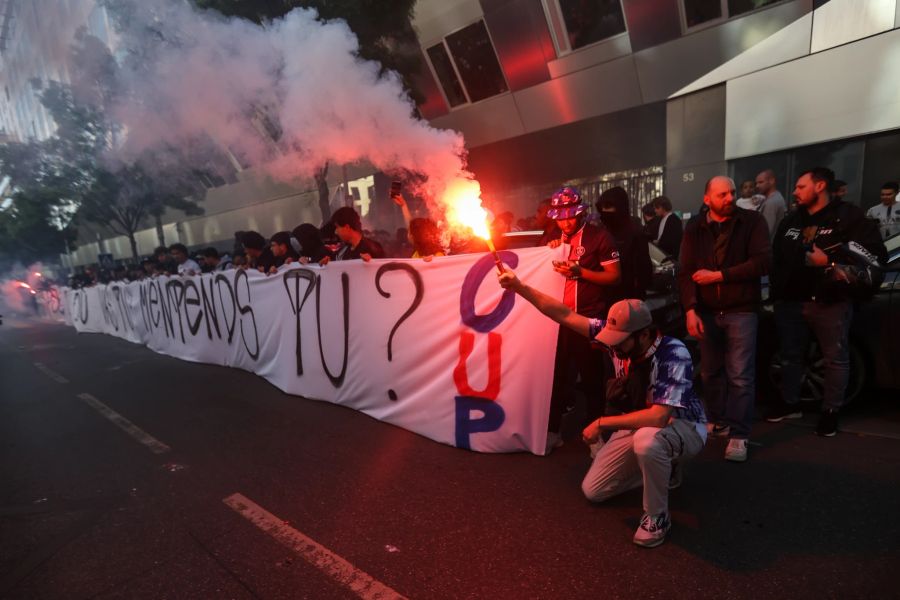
x=887 y=213
x=668 y=236
x=772 y=207
x=749 y=199
x=186 y=266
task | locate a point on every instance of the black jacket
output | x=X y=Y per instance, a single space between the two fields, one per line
x=670 y=237
x=651 y=229
x=278 y=261
x=746 y=259
x=365 y=246
x=634 y=260
x=836 y=224
x=265 y=261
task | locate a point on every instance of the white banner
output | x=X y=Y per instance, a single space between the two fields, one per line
x=52 y=304
x=436 y=347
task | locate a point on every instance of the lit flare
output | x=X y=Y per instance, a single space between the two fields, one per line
x=463 y=201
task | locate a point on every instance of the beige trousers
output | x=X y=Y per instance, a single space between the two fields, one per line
x=632 y=458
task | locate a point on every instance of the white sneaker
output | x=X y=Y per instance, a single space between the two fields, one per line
x=554 y=440
x=652 y=530
x=736 y=450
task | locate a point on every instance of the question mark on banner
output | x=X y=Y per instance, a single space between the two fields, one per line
x=417 y=300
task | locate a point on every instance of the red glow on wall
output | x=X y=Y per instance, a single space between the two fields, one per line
x=525 y=66
x=563 y=101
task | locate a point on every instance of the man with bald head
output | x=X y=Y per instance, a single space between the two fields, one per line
x=772 y=207
x=724 y=253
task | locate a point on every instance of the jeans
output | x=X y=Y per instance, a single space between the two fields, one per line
x=831 y=325
x=641 y=457
x=728 y=369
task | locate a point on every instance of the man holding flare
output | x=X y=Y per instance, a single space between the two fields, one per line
x=661 y=421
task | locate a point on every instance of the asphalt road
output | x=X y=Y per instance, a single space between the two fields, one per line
x=90 y=510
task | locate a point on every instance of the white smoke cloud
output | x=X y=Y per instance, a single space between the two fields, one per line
x=232 y=80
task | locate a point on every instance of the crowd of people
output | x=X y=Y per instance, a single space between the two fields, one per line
x=821 y=256
x=341 y=238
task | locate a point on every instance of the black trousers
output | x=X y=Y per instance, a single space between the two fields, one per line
x=576 y=357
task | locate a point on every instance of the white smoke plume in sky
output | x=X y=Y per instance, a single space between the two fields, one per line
x=230 y=79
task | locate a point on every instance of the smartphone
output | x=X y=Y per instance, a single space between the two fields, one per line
x=395 y=188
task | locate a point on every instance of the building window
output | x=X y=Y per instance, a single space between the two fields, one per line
x=446 y=75
x=579 y=23
x=739 y=7
x=466 y=65
x=699 y=13
x=590 y=21
x=477 y=62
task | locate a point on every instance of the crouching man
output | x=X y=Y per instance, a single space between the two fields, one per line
x=661 y=421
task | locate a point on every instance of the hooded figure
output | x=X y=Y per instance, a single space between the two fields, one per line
x=309 y=238
x=634 y=253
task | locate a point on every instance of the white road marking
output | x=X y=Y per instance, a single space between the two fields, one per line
x=360 y=583
x=50 y=373
x=155 y=446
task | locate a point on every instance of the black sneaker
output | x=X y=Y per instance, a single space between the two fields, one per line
x=828 y=423
x=782 y=411
x=719 y=430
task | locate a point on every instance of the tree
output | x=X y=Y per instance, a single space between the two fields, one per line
x=119 y=200
x=32 y=229
x=78 y=165
x=123 y=198
x=48 y=178
x=321 y=176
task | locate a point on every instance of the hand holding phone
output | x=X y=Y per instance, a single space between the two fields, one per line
x=395 y=192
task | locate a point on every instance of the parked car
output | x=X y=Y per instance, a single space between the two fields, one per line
x=874 y=343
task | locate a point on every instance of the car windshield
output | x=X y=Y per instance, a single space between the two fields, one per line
x=658 y=256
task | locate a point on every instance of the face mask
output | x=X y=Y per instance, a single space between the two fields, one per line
x=611 y=219
x=634 y=353
x=622 y=354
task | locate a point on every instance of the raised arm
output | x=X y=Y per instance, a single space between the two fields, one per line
x=551 y=307
x=404 y=208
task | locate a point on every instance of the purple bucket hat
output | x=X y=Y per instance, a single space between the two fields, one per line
x=566 y=204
